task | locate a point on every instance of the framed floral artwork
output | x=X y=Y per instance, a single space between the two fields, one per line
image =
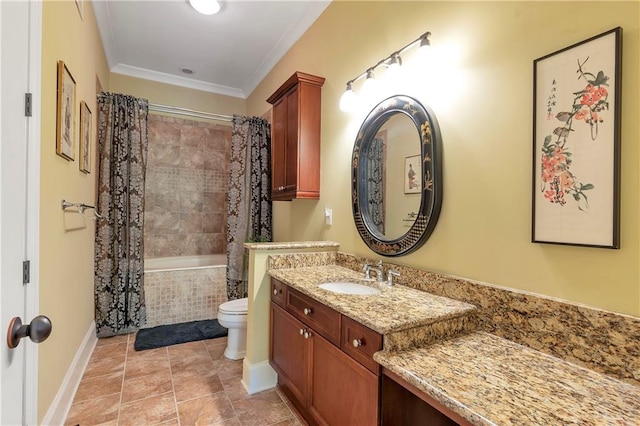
x=576 y=144
x=412 y=175
x=85 y=138
x=65 y=113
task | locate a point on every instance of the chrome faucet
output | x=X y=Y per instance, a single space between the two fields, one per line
x=366 y=268
x=378 y=269
x=390 y=274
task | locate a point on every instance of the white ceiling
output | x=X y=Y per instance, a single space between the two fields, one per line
x=229 y=53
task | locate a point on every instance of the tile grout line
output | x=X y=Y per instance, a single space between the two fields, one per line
x=124 y=369
x=173 y=387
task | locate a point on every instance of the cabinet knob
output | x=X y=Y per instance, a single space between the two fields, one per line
x=307 y=311
x=307 y=334
x=281 y=188
x=302 y=331
x=275 y=291
x=357 y=343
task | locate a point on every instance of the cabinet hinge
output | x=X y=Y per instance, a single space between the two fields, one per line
x=27 y=105
x=26 y=272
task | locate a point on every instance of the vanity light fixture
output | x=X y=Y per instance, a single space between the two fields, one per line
x=393 y=62
x=206 y=7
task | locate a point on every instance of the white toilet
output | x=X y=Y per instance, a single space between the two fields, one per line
x=233 y=315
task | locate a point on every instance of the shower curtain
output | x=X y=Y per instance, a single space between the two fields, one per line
x=122 y=159
x=375 y=182
x=249 y=207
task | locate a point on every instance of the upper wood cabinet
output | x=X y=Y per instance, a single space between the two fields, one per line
x=295 y=138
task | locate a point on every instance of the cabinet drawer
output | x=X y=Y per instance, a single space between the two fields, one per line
x=324 y=320
x=278 y=292
x=361 y=343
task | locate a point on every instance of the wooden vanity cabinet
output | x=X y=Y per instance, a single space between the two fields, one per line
x=295 y=138
x=326 y=384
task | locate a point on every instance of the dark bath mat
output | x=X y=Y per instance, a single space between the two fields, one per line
x=173 y=334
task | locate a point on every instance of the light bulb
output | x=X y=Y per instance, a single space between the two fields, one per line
x=370 y=84
x=206 y=7
x=424 y=52
x=348 y=99
x=394 y=68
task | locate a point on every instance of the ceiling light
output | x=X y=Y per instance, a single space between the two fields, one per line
x=206 y=7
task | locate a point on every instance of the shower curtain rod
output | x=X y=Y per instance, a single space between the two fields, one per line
x=188 y=112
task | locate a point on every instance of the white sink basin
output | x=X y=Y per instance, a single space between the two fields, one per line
x=350 y=288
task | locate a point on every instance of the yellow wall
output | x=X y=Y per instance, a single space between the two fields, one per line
x=66 y=239
x=166 y=94
x=485 y=115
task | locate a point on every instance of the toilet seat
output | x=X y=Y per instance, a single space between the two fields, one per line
x=235 y=307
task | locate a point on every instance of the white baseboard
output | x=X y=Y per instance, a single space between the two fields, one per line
x=258 y=377
x=59 y=408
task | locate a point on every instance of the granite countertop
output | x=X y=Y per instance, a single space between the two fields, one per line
x=291 y=245
x=396 y=308
x=493 y=381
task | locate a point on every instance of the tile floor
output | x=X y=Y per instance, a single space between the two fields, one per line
x=188 y=384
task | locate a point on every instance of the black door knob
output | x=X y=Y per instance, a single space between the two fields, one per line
x=38 y=331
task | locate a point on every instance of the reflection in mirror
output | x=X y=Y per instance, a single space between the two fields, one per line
x=393 y=177
x=396 y=176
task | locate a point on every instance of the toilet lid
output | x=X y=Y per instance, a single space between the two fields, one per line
x=235 y=306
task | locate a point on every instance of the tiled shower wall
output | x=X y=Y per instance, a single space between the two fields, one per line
x=186 y=187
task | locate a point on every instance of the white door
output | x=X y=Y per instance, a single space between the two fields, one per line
x=20 y=21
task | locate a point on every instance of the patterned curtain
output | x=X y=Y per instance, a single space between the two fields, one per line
x=122 y=160
x=375 y=182
x=249 y=206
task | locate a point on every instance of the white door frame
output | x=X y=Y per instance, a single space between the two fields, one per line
x=33 y=206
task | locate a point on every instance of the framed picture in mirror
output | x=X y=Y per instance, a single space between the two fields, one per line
x=412 y=175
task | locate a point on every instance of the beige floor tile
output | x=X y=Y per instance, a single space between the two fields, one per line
x=187 y=350
x=94 y=411
x=151 y=354
x=264 y=408
x=137 y=367
x=148 y=411
x=109 y=351
x=234 y=389
x=210 y=409
x=228 y=368
x=197 y=365
x=206 y=385
x=100 y=367
x=122 y=338
x=216 y=341
x=190 y=387
x=216 y=351
x=146 y=386
x=95 y=387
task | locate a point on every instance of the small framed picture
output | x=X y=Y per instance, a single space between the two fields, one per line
x=66 y=113
x=412 y=175
x=85 y=138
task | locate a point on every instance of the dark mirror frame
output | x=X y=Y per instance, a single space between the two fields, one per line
x=428 y=132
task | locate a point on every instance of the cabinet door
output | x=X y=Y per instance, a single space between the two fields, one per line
x=293 y=142
x=289 y=353
x=278 y=147
x=343 y=392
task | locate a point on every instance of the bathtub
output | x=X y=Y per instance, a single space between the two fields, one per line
x=162 y=264
x=183 y=289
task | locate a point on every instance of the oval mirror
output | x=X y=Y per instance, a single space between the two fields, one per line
x=397 y=176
